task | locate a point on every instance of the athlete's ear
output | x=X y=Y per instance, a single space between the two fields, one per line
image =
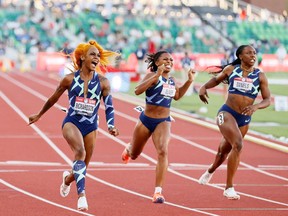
x=82 y=58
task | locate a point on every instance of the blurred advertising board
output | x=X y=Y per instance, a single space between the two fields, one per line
x=53 y=62
x=50 y=61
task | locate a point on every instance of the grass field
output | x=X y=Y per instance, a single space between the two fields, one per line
x=266 y=121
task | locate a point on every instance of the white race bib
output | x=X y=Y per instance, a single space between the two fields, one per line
x=168 y=90
x=84 y=106
x=243 y=84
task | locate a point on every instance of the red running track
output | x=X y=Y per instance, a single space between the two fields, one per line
x=34 y=157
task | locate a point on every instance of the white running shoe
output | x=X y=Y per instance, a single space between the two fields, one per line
x=65 y=189
x=82 y=204
x=205 y=178
x=230 y=193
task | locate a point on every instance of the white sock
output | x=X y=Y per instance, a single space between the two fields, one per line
x=158 y=190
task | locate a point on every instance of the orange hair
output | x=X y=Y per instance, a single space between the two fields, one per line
x=106 y=57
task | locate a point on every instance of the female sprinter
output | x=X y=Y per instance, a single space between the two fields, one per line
x=160 y=88
x=86 y=86
x=244 y=83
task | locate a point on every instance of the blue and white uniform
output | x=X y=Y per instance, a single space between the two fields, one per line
x=83 y=112
x=247 y=86
x=160 y=94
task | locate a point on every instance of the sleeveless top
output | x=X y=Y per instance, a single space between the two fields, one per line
x=84 y=109
x=247 y=86
x=162 y=93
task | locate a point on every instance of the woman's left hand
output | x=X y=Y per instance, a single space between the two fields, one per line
x=249 y=110
x=113 y=131
x=191 y=74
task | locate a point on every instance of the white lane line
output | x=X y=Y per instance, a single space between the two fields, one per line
x=245 y=209
x=64 y=157
x=40 y=198
x=178 y=166
x=177 y=113
x=28 y=89
x=191 y=143
x=91 y=164
x=206 y=124
x=241 y=162
x=27 y=163
x=196 y=180
x=199 y=147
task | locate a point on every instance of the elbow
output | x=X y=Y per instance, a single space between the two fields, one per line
x=266 y=102
x=269 y=101
x=137 y=91
x=176 y=98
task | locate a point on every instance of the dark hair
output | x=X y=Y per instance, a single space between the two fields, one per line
x=152 y=58
x=235 y=62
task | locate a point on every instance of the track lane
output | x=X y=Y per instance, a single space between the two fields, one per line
x=151 y=149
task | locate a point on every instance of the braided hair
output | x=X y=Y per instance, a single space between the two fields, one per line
x=235 y=62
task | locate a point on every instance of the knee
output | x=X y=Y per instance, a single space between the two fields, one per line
x=162 y=152
x=237 y=146
x=222 y=155
x=80 y=153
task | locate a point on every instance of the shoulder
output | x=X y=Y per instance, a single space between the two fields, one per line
x=228 y=69
x=262 y=75
x=104 y=82
x=68 y=79
x=259 y=70
x=231 y=67
x=102 y=78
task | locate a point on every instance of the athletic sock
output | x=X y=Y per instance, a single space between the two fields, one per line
x=158 y=190
x=79 y=172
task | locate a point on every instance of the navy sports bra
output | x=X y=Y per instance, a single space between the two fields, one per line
x=248 y=86
x=162 y=93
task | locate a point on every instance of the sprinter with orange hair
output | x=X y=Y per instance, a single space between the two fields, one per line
x=86 y=86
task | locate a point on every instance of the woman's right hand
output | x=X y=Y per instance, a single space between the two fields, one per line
x=33 y=118
x=203 y=95
x=160 y=69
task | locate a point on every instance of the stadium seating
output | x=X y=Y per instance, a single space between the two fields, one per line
x=240 y=32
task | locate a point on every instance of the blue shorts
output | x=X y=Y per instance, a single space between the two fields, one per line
x=240 y=119
x=151 y=123
x=82 y=126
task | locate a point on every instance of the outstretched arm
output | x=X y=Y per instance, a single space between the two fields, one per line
x=214 y=81
x=64 y=84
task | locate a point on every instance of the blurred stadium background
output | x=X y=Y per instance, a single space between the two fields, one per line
x=34 y=33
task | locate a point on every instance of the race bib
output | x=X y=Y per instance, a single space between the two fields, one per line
x=243 y=84
x=84 y=106
x=139 y=109
x=168 y=90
